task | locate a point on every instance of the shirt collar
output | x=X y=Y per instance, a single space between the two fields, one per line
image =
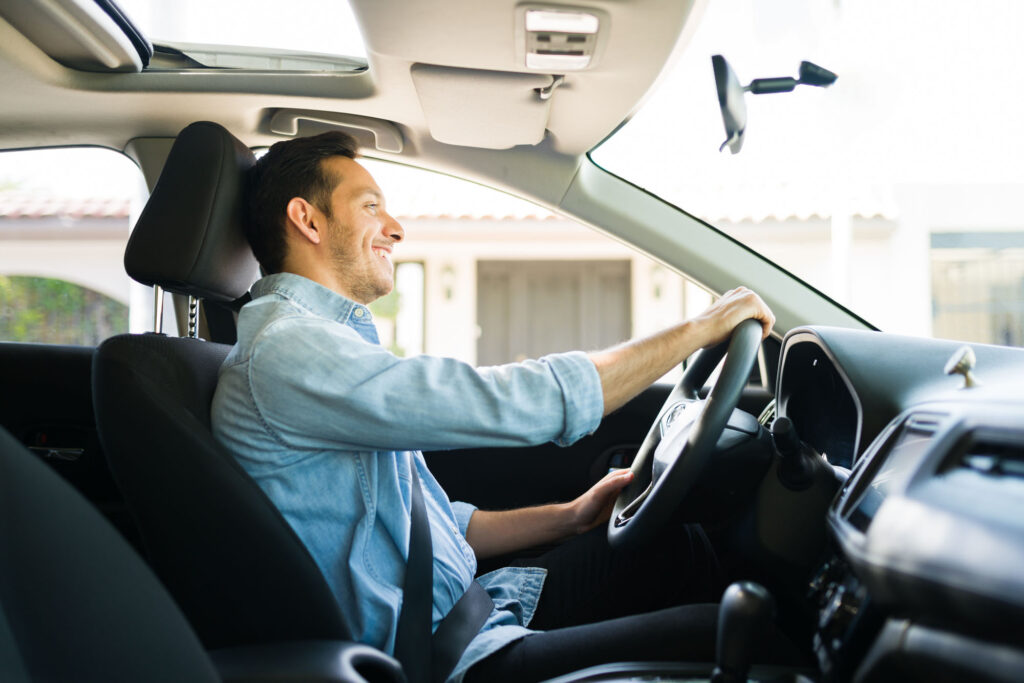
x=312 y=296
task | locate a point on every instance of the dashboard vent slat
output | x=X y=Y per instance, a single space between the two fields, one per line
x=924 y=422
x=992 y=459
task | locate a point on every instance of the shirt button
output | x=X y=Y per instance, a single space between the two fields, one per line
x=358 y=313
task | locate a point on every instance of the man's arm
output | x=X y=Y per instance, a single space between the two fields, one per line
x=624 y=371
x=629 y=368
x=493 y=533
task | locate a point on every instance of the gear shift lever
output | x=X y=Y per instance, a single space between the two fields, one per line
x=745 y=611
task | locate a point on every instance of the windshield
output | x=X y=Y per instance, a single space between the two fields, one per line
x=896 y=191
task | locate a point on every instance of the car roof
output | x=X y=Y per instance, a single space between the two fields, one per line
x=411 y=48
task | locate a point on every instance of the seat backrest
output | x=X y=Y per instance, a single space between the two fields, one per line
x=76 y=602
x=237 y=569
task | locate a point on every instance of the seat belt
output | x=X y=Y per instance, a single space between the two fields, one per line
x=412 y=638
x=427 y=658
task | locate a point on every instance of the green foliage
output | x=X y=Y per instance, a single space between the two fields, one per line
x=386 y=306
x=385 y=310
x=40 y=309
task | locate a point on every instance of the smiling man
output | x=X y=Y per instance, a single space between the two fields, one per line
x=331 y=426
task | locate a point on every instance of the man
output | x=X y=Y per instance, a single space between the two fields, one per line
x=330 y=425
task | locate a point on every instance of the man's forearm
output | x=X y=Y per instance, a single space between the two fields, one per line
x=629 y=368
x=498 y=533
x=493 y=533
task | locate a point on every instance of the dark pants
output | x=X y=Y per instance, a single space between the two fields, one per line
x=600 y=606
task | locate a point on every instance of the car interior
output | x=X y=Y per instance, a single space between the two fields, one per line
x=870 y=482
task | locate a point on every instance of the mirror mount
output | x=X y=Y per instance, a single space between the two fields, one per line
x=733 y=106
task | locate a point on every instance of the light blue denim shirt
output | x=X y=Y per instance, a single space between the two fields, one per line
x=329 y=423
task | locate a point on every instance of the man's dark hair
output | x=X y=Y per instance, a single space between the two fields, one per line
x=291 y=168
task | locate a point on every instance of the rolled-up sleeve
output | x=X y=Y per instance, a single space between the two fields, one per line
x=315 y=377
x=463 y=513
x=581 y=391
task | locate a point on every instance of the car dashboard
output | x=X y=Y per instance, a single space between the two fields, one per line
x=924 y=573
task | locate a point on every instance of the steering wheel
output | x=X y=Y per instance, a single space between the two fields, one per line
x=682 y=439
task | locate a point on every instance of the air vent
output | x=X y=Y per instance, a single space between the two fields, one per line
x=926 y=423
x=992 y=459
x=767 y=416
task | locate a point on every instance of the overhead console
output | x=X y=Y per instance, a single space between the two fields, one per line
x=557 y=40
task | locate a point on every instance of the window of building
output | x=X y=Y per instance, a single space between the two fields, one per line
x=978 y=287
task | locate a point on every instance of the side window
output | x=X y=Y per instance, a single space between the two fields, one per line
x=489 y=278
x=65 y=216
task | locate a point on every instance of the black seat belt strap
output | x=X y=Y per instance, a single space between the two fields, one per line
x=458 y=628
x=425 y=658
x=412 y=638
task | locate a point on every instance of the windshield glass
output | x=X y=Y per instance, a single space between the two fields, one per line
x=896 y=191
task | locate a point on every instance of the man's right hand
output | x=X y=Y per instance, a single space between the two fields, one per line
x=732 y=308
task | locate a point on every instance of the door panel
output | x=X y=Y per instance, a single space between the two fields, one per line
x=500 y=479
x=46 y=403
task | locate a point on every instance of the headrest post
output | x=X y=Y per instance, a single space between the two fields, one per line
x=193 y=317
x=158 y=307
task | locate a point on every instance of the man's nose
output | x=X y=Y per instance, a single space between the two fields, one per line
x=394 y=229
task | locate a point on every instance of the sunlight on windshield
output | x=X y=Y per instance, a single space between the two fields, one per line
x=895 y=191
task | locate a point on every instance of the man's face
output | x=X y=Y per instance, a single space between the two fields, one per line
x=360 y=232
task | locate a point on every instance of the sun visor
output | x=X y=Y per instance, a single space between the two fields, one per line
x=90 y=35
x=489 y=109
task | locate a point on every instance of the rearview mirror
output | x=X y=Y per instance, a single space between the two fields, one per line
x=730 y=99
x=730 y=94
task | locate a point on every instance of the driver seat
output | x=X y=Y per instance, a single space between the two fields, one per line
x=234 y=565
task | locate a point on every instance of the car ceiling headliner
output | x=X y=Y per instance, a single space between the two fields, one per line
x=47 y=104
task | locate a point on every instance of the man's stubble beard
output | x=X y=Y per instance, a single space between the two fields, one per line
x=365 y=283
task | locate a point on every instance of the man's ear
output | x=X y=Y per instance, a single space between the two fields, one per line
x=302 y=217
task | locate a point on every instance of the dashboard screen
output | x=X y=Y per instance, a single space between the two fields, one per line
x=887 y=470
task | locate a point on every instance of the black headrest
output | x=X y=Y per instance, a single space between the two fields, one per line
x=189 y=238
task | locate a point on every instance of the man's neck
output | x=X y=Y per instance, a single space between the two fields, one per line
x=322 y=276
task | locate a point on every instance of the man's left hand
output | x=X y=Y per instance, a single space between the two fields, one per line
x=595 y=506
x=492 y=533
